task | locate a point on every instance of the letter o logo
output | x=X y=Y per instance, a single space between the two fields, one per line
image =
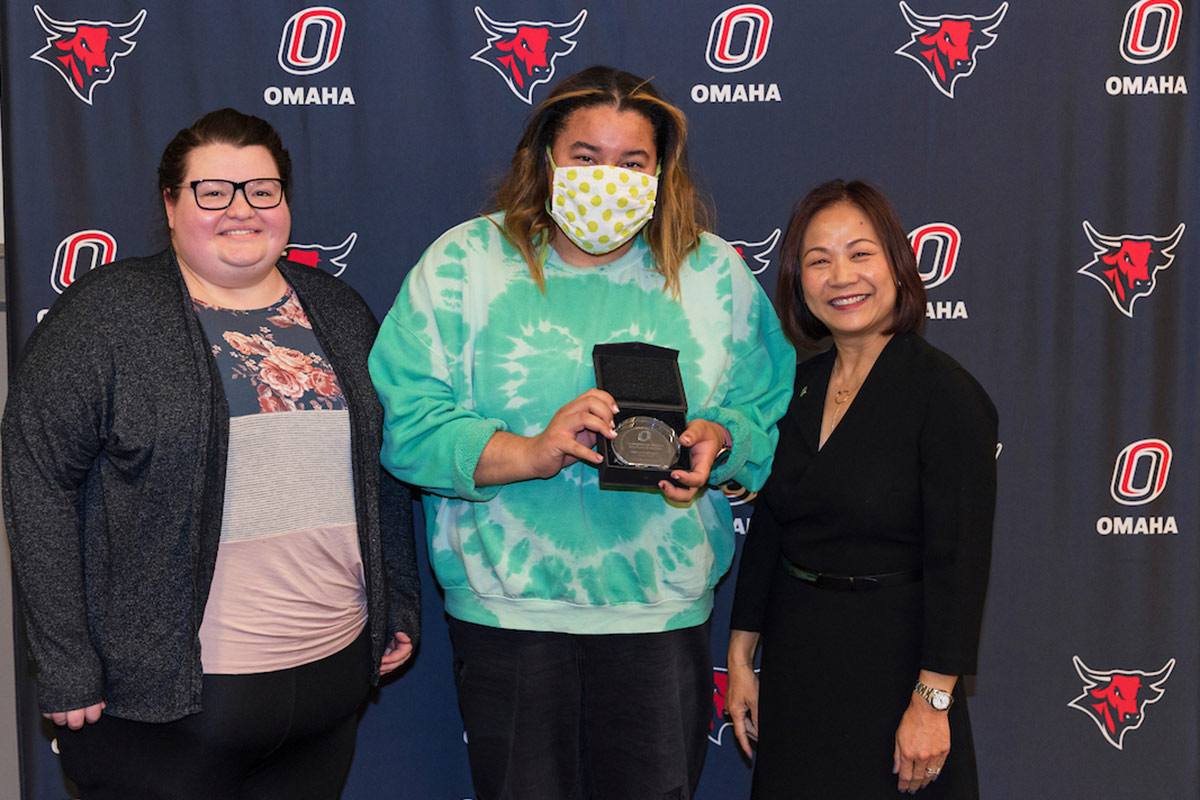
x=1158 y=18
x=737 y=494
x=312 y=40
x=739 y=38
x=936 y=247
x=79 y=253
x=1141 y=471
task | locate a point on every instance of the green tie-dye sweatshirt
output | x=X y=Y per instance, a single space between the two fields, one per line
x=472 y=346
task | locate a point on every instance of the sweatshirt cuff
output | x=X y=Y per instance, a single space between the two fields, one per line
x=468 y=447
x=735 y=422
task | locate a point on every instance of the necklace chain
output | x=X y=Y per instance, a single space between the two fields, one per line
x=844 y=396
x=840 y=398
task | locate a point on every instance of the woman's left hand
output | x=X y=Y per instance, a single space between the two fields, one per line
x=922 y=744
x=705 y=440
x=396 y=653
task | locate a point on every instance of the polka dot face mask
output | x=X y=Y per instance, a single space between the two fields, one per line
x=600 y=208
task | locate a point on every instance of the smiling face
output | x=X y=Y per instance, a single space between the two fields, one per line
x=602 y=135
x=845 y=276
x=235 y=248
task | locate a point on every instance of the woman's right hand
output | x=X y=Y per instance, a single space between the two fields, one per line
x=75 y=718
x=571 y=434
x=569 y=437
x=741 y=693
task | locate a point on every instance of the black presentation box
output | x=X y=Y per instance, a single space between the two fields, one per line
x=644 y=379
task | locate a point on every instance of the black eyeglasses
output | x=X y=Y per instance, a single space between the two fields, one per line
x=216 y=195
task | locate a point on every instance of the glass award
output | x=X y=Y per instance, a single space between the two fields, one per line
x=646 y=442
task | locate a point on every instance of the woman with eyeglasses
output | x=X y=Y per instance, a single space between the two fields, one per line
x=212 y=567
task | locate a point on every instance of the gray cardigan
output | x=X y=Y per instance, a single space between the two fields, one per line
x=115 y=443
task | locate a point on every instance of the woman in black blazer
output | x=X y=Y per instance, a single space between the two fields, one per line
x=865 y=570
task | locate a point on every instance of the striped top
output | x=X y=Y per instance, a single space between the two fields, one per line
x=288 y=587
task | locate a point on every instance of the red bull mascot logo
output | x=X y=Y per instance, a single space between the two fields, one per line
x=718 y=723
x=757 y=255
x=523 y=53
x=947 y=46
x=1128 y=265
x=319 y=256
x=1116 y=700
x=83 y=51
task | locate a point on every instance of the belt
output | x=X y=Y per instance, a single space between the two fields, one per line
x=850 y=583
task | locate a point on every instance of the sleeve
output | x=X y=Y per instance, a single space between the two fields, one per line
x=760 y=559
x=53 y=432
x=432 y=437
x=400 y=557
x=958 y=494
x=761 y=373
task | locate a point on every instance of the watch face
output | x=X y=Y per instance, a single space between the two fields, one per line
x=940 y=700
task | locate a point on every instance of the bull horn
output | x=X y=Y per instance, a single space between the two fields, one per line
x=52 y=25
x=576 y=24
x=915 y=20
x=1158 y=677
x=987 y=23
x=1087 y=673
x=1098 y=239
x=1166 y=249
x=490 y=26
x=131 y=27
x=345 y=247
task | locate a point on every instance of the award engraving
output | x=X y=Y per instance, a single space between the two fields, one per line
x=646 y=442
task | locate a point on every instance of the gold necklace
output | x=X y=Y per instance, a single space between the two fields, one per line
x=840 y=398
x=842 y=395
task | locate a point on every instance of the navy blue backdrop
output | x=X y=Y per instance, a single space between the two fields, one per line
x=1042 y=154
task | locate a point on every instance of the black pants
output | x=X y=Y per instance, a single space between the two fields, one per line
x=553 y=716
x=285 y=734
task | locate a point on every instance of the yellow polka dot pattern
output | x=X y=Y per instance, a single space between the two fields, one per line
x=600 y=208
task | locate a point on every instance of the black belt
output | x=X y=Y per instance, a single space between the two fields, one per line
x=850 y=583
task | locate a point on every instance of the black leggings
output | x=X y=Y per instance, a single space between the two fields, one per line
x=286 y=734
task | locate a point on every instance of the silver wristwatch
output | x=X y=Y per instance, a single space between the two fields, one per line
x=937 y=698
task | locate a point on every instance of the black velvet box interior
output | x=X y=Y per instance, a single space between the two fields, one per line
x=644 y=379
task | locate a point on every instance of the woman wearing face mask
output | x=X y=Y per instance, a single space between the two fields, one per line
x=580 y=615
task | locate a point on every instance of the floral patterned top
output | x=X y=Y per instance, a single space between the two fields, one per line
x=288 y=586
x=271 y=361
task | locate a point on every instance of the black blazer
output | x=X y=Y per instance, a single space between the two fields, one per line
x=907 y=480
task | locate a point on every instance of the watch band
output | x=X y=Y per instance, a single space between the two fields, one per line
x=940 y=700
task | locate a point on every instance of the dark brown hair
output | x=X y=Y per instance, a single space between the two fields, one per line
x=679 y=215
x=801 y=327
x=224 y=126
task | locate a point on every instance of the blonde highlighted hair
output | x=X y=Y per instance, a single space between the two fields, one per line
x=679 y=214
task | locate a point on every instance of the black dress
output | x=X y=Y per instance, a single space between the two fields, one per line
x=906 y=481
